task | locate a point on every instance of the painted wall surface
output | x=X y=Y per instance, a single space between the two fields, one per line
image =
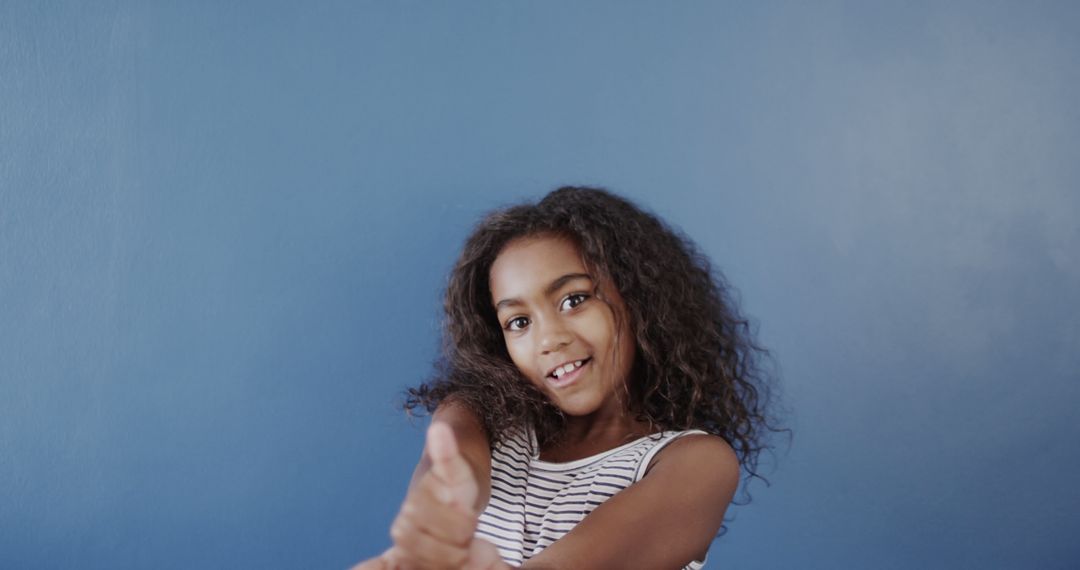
x=225 y=228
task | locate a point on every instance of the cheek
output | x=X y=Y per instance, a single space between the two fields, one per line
x=518 y=352
x=627 y=350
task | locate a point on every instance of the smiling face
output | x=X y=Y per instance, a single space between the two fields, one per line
x=543 y=296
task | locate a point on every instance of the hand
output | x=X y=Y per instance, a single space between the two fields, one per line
x=434 y=528
x=484 y=556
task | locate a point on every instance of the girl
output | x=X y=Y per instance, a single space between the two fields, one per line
x=598 y=396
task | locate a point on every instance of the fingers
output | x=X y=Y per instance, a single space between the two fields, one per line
x=435 y=526
x=396 y=559
x=429 y=532
x=377 y=563
x=484 y=556
x=414 y=548
x=446 y=522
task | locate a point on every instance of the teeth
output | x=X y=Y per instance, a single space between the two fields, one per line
x=566 y=368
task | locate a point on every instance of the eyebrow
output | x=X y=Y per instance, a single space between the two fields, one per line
x=554 y=286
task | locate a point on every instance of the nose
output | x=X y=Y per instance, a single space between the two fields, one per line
x=554 y=335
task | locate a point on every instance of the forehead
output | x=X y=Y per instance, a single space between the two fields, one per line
x=527 y=265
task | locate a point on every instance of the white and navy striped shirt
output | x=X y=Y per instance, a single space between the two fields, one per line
x=534 y=503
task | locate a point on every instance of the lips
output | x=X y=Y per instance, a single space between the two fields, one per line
x=570 y=377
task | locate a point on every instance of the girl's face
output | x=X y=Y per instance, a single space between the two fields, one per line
x=550 y=319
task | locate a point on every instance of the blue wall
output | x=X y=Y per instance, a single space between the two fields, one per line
x=224 y=230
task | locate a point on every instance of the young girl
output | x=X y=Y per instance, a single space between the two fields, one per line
x=598 y=396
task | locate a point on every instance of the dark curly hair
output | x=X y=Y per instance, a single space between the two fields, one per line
x=697 y=364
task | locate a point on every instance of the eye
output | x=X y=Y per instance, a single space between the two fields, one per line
x=510 y=324
x=578 y=297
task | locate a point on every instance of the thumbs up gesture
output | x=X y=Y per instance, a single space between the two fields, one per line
x=434 y=528
x=456 y=482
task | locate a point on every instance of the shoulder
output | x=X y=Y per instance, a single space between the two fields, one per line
x=467 y=424
x=697 y=456
x=459 y=415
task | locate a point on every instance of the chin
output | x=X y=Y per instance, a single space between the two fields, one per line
x=575 y=406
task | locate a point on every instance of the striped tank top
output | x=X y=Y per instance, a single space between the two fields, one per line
x=534 y=503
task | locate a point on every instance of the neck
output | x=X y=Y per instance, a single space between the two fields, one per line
x=598 y=428
x=584 y=436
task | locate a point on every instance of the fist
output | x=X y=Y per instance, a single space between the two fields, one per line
x=434 y=528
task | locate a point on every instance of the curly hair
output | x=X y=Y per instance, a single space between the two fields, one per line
x=697 y=364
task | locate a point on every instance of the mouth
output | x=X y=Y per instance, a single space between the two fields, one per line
x=570 y=377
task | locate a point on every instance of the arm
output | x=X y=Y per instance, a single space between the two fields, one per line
x=665 y=520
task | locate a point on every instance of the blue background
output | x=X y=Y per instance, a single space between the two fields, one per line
x=225 y=229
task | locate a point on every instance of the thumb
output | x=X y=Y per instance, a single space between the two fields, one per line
x=447 y=462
